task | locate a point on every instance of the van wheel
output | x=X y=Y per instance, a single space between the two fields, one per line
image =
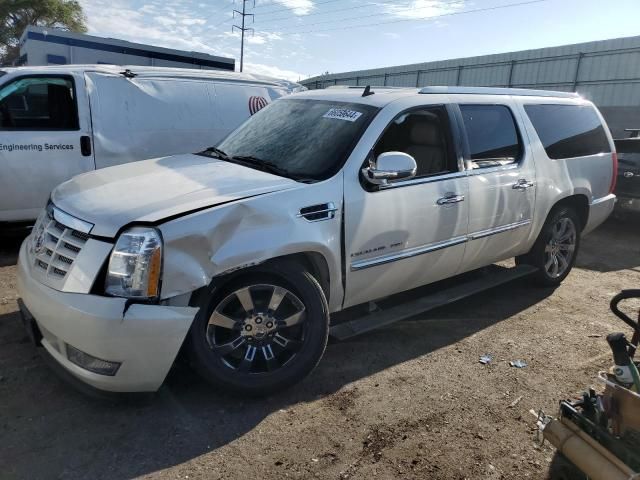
x=555 y=250
x=261 y=332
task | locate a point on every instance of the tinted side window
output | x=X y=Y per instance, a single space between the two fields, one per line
x=492 y=135
x=38 y=103
x=568 y=131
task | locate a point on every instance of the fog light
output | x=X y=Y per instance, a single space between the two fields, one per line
x=93 y=364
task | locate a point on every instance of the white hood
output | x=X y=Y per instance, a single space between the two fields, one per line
x=152 y=190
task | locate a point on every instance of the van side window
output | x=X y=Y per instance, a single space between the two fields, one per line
x=38 y=103
x=568 y=131
x=492 y=135
x=425 y=135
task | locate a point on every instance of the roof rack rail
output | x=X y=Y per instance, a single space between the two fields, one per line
x=498 y=91
x=379 y=87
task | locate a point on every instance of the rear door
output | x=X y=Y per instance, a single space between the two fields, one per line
x=502 y=182
x=45 y=139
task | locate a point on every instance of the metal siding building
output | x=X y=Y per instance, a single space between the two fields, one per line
x=48 y=46
x=606 y=72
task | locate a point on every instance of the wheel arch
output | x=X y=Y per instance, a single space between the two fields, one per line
x=578 y=202
x=314 y=262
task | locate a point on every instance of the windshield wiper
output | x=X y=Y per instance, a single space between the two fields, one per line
x=215 y=152
x=264 y=165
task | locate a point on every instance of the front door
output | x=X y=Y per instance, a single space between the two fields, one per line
x=44 y=140
x=413 y=232
x=502 y=181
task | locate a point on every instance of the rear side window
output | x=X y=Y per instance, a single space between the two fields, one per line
x=492 y=135
x=568 y=131
x=38 y=103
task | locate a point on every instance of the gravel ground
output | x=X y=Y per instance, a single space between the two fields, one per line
x=410 y=400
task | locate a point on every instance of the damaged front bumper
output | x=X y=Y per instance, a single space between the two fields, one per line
x=142 y=341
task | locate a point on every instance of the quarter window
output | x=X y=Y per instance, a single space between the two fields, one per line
x=568 y=131
x=491 y=134
x=38 y=103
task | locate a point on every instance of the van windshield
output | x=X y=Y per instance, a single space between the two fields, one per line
x=307 y=140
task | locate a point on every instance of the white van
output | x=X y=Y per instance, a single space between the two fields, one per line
x=58 y=122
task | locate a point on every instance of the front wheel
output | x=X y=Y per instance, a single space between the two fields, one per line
x=555 y=250
x=261 y=332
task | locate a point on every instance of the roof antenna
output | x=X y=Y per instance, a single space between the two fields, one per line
x=367 y=91
x=128 y=74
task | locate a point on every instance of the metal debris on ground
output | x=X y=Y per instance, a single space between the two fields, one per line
x=486 y=359
x=518 y=363
x=515 y=402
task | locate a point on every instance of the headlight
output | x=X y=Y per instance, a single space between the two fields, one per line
x=135 y=264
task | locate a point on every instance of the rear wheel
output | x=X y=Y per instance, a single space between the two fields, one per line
x=261 y=332
x=555 y=250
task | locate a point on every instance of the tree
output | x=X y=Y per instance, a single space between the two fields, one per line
x=16 y=15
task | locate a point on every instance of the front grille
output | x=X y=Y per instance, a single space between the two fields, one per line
x=56 y=247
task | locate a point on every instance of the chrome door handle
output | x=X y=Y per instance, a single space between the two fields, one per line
x=450 y=199
x=522 y=184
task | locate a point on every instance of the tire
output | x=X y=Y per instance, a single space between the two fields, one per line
x=559 y=239
x=240 y=343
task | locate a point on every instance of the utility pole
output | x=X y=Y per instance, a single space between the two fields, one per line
x=242 y=28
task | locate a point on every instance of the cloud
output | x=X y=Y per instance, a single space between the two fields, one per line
x=193 y=21
x=299 y=7
x=165 y=22
x=421 y=8
x=272 y=71
x=261 y=38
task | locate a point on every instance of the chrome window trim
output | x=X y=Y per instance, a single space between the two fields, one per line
x=450 y=175
x=422 y=180
x=493 y=231
x=413 y=252
x=480 y=171
x=70 y=221
x=374 y=262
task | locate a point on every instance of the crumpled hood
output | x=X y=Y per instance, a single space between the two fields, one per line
x=151 y=190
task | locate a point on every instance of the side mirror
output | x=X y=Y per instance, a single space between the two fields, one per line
x=390 y=167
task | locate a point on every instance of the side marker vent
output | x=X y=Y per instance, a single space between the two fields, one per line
x=316 y=213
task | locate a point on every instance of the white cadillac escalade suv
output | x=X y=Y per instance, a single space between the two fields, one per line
x=323 y=200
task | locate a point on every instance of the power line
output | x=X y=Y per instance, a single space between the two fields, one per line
x=406 y=4
x=242 y=28
x=343 y=27
x=288 y=9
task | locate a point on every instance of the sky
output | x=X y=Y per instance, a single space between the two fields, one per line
x=297 y=39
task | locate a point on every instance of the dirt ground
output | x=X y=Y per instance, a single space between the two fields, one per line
x=407 y=401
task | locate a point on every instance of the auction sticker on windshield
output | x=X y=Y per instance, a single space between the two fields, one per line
x=343 y=114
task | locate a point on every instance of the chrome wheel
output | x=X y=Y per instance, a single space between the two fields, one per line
x=560 y=248
x=257 y=329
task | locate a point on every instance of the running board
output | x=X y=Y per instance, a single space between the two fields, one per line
x=401 y=311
